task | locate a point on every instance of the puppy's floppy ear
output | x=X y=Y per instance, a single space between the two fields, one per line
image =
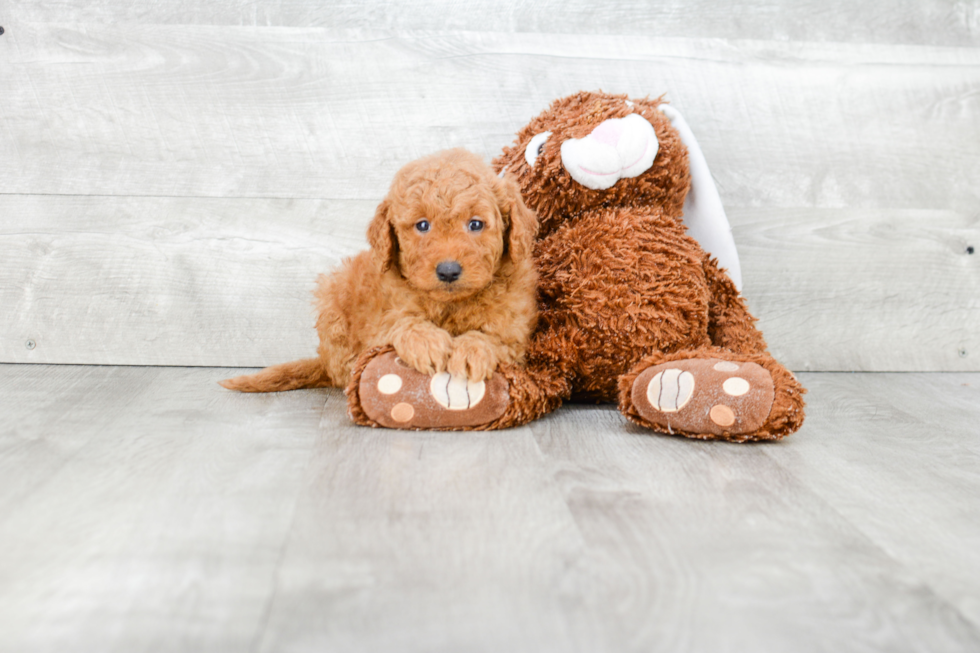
x=381 y=236
x=521 y=222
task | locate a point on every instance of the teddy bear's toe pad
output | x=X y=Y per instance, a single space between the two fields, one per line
x=397 y=396
x=704 y=396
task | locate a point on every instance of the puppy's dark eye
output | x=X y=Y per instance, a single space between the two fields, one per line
x=422 y=226
x=475 y=225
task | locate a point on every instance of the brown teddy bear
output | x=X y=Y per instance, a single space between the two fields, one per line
x=631 y=306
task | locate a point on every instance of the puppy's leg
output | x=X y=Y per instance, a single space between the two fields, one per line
x=421 y=344
x=385 y=392
x=476 y=355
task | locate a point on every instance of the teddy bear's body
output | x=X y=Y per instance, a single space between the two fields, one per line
x=631 y=307
x=661 y=302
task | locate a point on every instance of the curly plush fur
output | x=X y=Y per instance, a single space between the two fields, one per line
x=623 y=287
x=393 y=295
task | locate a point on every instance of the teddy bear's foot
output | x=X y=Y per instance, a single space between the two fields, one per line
x=397 y=396
x=704 y=397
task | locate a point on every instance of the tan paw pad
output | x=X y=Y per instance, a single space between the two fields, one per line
x=670 y=390
x=402 y=412
x=389 y=384
x=704 y=396
x=722 y=415
x=736 y=386
x=397 y=396
x=456 y=392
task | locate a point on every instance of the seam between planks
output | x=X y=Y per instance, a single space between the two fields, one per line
x=821 y=500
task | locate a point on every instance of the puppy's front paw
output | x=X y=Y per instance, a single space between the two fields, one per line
x=427 y=350
x=472 y=358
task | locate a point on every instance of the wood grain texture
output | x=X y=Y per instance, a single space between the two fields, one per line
x=149 y=509
x=904 y=440
x=140 y=509
x=320 y=113
x=721 y=520
x=167 y=281
x=932 y=22
x=204 y=281
x=174 y=174
x=864 y=290
x=168 y=196
x=397 y=552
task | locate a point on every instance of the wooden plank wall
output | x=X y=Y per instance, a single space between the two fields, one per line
x=173 y=177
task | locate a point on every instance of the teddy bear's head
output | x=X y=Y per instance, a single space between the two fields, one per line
x=596 y=149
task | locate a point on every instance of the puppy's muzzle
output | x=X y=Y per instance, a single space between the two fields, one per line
x=449 y=271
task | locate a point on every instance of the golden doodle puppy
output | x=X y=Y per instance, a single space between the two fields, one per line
x=449 y=281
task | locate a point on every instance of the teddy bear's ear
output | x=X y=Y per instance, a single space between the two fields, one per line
x=381 y=236
x=703 y=213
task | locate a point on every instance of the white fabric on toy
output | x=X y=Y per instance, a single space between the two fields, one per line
x=617 y=148
x=704 y=214
x=534 y=148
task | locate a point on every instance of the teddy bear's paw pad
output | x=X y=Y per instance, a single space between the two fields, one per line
x=397 y=396
x=704 y=396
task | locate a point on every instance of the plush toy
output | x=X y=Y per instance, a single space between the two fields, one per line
x=638 y=295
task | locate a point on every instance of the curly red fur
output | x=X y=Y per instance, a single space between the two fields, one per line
x=392 y=295
x=622 y=285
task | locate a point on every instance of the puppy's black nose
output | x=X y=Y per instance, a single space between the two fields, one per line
x=449 y=271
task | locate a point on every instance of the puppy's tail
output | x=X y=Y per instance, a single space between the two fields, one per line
x=306 y=373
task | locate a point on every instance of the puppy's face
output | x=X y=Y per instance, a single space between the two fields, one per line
x=449 y=225
x=450 y=240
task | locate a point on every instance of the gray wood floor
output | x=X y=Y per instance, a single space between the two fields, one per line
x=147 y=509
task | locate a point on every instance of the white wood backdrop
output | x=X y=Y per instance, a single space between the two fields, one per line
x=174 y=176
x=922 y=22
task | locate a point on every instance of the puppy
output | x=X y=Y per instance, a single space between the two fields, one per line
x=449 y=281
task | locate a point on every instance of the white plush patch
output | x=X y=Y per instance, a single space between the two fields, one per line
x=531 y=151
x=670 y=390
x=456 y=392
x=704 y=214
x=735 y=386
x=389 y=384
x=618 y=148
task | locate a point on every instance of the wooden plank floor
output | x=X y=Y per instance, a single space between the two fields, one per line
x=148 y=509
